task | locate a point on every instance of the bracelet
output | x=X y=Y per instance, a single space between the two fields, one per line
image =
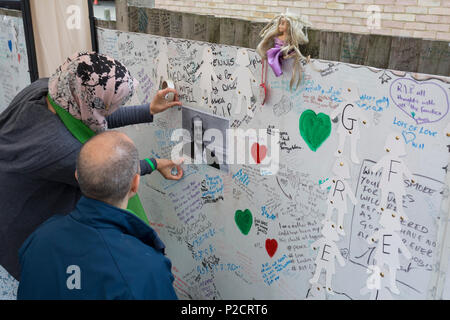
x=151 y=164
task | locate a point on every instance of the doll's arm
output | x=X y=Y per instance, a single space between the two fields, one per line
x=337 y=111
x=234 y=75
x=364 y=290
x=406 y=172
x=403 y=248
x=374 y=237
x=379 y=165
x=339 y=256
x=199 y=71
x=251 y=75
x=362 y=116
x=350 y=193
x=316 y=244
x=213 y=75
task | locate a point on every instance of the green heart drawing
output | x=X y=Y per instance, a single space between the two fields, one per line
x=315 y=129
x=244 y=220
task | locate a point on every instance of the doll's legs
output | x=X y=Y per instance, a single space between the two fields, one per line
x=373 y=292
x=210 y=96
x=328 y=277
x=329 y=212
x=392 y=279
x=353 y=143
x=385 y=198
x=205 y=96
x=384 y=192
x=316 y=292
x=340 y=149
x=401 y=212
x=399 y=200
x=340 y=226
x=248 y=99
x=316 y=276
x=237 y=110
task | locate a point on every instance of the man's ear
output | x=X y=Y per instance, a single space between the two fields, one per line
x=135 y=184
x=76 y=175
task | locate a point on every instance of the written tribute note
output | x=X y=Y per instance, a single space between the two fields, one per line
x=418 y=232
x=425 y=102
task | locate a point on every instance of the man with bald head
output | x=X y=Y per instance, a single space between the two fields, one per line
x=100 y=250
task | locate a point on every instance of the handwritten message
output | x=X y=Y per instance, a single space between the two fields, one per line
x=418 y=231
x=425 y=102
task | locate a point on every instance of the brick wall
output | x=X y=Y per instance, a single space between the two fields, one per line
x=429 y=19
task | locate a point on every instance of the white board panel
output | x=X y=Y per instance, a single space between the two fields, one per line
x=13 y=59
x=212 y=257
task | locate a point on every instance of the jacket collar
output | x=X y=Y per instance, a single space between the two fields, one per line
x=98 y=214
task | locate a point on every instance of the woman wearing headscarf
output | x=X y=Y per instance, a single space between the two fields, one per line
x=42 y=131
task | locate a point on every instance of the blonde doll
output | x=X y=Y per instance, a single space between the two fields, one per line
x=281 y=40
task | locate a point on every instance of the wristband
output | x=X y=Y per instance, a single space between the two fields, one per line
x=150 y=163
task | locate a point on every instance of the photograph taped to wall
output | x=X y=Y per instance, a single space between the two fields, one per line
x=205 y=138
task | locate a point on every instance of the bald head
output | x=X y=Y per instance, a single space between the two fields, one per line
x=106 y=167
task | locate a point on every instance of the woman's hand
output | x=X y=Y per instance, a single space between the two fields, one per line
x=160 y=104
x=165 y=166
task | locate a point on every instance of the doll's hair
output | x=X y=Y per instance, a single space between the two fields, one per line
x=295 y=37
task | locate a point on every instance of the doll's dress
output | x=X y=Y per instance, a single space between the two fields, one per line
x=274 y=57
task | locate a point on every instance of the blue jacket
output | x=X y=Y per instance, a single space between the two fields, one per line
x=96 y=252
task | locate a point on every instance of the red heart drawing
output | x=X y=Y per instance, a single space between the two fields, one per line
x=258 y=152
x=271 y=247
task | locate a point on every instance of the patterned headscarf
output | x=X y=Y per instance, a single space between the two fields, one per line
x=91 y=86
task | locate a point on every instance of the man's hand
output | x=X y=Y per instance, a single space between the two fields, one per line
x=165 y=166
x=160 y=104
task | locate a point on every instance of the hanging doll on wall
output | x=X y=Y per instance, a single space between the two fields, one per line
x=328 y=252
x=377 y=284
x=339 y=192
x=244 y=77
x=389 y=244
x=349 y=121
x=393 y=171
x=206 y=74
x=280 y=41
x=162 y=64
